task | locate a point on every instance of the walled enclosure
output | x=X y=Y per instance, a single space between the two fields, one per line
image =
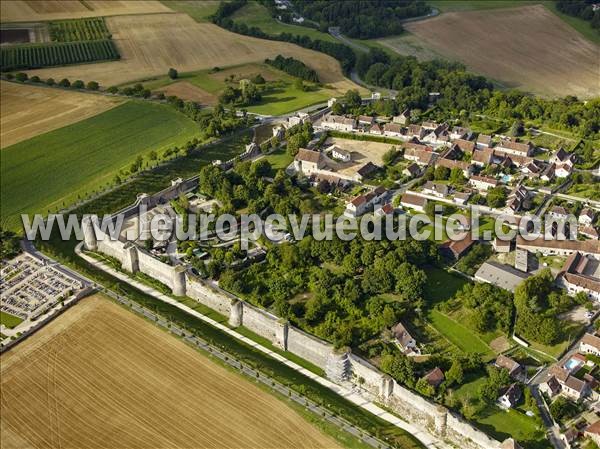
x=340 y=366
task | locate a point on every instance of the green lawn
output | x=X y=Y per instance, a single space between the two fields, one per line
x=199 y=10
x=254 y=14
x=53 y=169
x=458 y=334
x=9 y=320
x=441 y=285
x=501 y=424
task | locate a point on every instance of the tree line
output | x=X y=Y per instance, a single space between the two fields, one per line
x=583 y=9
x=362 y=19
x=294 y=67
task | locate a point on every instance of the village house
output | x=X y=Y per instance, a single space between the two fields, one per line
x=339 y=153
x=482 y=157
x=467 y=169
x=421 y=154
x=560 y=381
x=514 y=368
x=483 y=141
x=461 y=198
x=517 y=199
x=438 y=136
x=393 y=130
x=365 y=120
x=436 y=189
x=511 y=396
x=455 y=249
x=560 y=247
x=386 y=209
x=416 y=131
x=365 y=171
x=593 y=431
x=466 y=146
x=589 y=232
x=586 y=217
x=407 y=344
x=482 y=183
x=412 y=201
x=412 y=170
x=331 y=102
x=590 y=344
x=279 y=132
x=558 y=212
x=563 y=157
x=434 y=377
x=548 y=173
x=298 y=119
x=403 y=118
x=429 y=125
x=533 y=169
x=458 y=132
x=308 y=162
x=563 y=170
x=376 y=129
x=513 y=147
x=338 y=123
x=359 y=205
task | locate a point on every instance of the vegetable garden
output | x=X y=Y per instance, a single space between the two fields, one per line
x=91 y=29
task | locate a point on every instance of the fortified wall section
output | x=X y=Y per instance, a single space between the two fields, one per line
x=439 y=420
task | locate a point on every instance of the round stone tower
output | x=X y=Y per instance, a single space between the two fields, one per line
x=236 y=312
x=89 y=235
x=179 y=280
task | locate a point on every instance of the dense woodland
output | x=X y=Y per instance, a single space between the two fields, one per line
x=362 y=19
x=581 y=8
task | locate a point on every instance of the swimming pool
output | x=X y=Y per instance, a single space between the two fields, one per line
x=572 y=364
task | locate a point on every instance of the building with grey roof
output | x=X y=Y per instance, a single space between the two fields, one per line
x=503 y=276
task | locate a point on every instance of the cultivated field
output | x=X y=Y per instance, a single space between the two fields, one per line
x=50 y=170
x=27 y=111
x=31 y=10
x=187 y=91
x=528 y=48
x=100 y=377
x=150 y=44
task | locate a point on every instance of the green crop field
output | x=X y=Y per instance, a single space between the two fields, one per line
x=90 y=29
x=33 y=56
x=9 y=320
x=51 y=170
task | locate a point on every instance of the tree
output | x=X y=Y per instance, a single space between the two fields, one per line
x=441 y=173
x=390 y=156
x=496 y=197
x=77 y=84
x=50 y=82
x=35 y=79
x=455 y=375
x=456 y=176
x=173 y=73
x=425 y=388
x=92 y=85
x=113 y=90
x=64 y=82
x=21 y=77
x=517 y=129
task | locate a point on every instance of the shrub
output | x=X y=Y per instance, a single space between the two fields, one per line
x=92 y=85
x=35 y=79
x=64 y=82
x=112 y=89
x=173 y=73
x=21 y=77
x=50 y=82
x=78 y=84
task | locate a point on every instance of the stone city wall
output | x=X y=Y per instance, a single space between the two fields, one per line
x=308 y=347
x=198 y=290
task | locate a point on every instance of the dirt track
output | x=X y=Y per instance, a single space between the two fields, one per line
x=27 y=111
x=528 y=48
x=101 y=377
x=150 y=44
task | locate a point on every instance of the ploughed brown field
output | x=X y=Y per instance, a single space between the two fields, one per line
x=27 y=10
x=527 y=48
x=101 y=377
x=150 y=44
x=188 y=91
x=27 y=111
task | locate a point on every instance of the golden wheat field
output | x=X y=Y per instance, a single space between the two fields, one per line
x=528 y=48
x=101 y=377
x=27 y=111
x=150 y=44
x=30 y=10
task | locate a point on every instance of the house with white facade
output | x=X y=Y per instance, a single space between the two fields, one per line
x=339 y=153
x=482 y=183
x=590 y=344
x=308 y=162
x=338 y=123
x=586 y=217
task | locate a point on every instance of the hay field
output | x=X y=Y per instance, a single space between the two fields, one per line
x=101 y=377
x=527 y=48
x=187 y=91
x=150 y=44
x=31 y=10
x=27 y=111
